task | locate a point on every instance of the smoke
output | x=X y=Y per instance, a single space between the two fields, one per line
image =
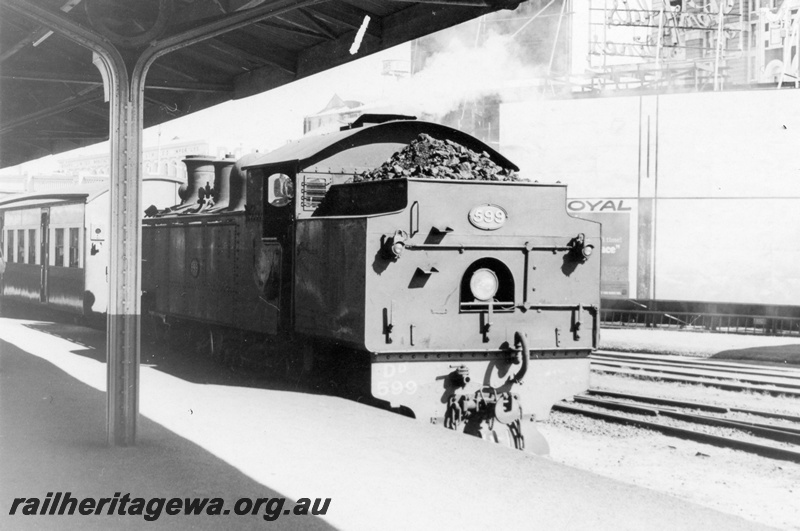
x=464 y=70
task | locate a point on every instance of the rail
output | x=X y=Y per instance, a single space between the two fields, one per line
x=775 y=433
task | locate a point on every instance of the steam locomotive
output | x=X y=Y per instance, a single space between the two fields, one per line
x=440 y=295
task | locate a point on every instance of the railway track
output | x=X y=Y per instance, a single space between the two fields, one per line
x=769 y=434
x=775 y=380
x=764 y=433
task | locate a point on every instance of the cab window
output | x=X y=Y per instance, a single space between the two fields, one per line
x=280 y=190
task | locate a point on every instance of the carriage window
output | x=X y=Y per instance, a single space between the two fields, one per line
x=21 y=246
x=59 y=255
x=31 y=246
x=281 y=189
x=73 y=247
x=10 y=249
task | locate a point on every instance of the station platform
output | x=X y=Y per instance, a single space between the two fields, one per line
x=772 y=349
x=201 y=438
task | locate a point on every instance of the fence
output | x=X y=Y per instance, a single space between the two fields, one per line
x=736 y=319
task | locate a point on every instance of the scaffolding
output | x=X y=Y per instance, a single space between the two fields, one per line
x=692 y=44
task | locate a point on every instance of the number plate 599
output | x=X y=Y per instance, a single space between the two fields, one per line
x=488 y=217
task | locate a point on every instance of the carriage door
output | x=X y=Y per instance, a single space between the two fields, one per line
x=44 y=253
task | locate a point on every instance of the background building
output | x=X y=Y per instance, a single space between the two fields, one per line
x=703 y=44
x=164 y=160
x=336 y=113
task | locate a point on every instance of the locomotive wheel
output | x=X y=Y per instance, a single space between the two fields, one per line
x=327 y=371
x=158 y=330
x=203 y=344
x=272 y=357
x=305 y=360
x=177 y=338
x=217 y=346
x=300 y=362
x=308 y=353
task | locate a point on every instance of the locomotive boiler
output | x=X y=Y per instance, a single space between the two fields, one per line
x=405 y=254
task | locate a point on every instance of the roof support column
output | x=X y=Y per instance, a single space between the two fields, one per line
x=123 y=332
x=124 y=309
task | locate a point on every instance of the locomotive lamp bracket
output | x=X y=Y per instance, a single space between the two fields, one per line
x=388 y=325
x=486 y=321
x=579 y=249
x=576 y=328
x=392 y=246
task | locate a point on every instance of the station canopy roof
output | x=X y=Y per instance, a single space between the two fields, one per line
x=52 y=96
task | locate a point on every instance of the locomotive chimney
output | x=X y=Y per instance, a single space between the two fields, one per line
x=222 y=181
x=238 y=183
x=199 y=172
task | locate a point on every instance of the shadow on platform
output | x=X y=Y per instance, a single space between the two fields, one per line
x=182 y=362
x=189 y=362
x=52 y=439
